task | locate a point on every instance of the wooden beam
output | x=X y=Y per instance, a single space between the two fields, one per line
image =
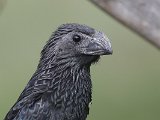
x=142 y=16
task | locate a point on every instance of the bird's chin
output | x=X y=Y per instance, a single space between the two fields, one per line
x=95 y=59
x=91 y=59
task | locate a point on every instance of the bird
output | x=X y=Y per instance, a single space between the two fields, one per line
x=61 y=87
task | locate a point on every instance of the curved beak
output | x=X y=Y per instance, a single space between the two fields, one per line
x=100 y=45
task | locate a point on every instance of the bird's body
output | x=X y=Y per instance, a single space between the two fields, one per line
x=61 y=87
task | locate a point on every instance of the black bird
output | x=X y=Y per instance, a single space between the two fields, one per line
x=61 y=87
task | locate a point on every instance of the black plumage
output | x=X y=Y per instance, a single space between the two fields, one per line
x=61 y=87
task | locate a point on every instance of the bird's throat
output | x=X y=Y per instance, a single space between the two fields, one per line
x=71 y=90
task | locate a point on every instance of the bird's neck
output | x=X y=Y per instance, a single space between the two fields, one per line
x=70 y=87
x=71 y=84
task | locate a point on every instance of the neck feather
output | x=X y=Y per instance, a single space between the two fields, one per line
x=68 y=87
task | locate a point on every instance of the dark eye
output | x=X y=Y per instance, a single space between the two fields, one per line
x=76 y=38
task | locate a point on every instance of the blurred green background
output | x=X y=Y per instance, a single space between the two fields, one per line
x=126 y=85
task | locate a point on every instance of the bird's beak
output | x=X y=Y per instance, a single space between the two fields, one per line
x=100 y=45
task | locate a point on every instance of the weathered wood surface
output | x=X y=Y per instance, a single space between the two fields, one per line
x=142 y=16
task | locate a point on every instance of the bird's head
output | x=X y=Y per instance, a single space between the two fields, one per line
x=77 y=44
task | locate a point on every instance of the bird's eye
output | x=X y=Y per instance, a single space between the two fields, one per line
x=76 y=38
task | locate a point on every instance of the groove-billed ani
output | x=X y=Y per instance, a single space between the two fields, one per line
x=60 y=89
